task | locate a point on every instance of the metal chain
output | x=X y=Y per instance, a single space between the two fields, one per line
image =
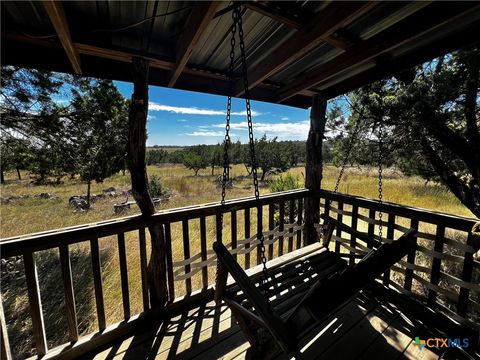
x=380 y=176
x=349 y=149
x=260 y=237
x=351 y=143
x=226 y=160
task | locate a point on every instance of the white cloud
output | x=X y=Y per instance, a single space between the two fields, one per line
x=292 y=129
x=194 y=110
x=285 y=118
x=205 y=133
x=182 y=120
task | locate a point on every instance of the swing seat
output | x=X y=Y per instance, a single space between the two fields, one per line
x=269 y=328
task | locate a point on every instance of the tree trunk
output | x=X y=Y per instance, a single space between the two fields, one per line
x=264 y=172
x=2 y=177
x=18 y=174
x=213 y=170
x=137 y=137
x=88 y=193
x=313 y=167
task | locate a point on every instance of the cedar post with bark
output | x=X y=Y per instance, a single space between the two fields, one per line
x=313 y=166
x=137 y=137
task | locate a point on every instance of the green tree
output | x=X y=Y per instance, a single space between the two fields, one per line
x=194 y=161
x=156 y=156
x=269 y=154
x=431 y=121
x=98 y=131
x=215 y=156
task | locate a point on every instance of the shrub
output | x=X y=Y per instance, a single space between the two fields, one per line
x=284 y=182
x=155 y=186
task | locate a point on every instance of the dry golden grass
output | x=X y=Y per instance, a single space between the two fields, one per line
x=33 y=215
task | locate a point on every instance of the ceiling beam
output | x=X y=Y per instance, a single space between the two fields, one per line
x=319 y=29
x=58 y=19
x=198 y=21
x=425 y=20
x=277 y=11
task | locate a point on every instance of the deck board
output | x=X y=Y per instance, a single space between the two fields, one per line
x=366 y=327
x=363 y=328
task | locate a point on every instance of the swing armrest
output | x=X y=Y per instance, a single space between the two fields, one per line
x=358 y=234
x=272 y=321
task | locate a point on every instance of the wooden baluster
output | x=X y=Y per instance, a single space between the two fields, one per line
x=411 y=260
x=338 y=231
x=259 y=231
x=291 y=220
x=436 y=263
x=353 y=239
x=390 y=234
x=35 y=303
x=123 y=275
x=299 y=222
x=69 y=294
x=186 y=255
x=203 y=250
x=233 y=228
x=169 y=256
x=371 y=226
x=97 y=282
x=271 y=226
x=247 y=235
x=143 y=268
x=467 y=277
x=5 y=353
x=281 y=227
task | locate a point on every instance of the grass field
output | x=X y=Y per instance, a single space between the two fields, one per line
x=35 y=214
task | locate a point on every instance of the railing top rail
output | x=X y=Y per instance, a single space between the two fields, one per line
x=448 y=220
x=49 y=239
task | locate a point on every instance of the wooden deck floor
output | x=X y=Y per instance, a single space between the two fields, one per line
x=367 y=327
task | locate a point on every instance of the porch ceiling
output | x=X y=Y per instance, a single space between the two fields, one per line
x=294 y=49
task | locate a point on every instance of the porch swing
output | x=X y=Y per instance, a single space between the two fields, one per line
x=268 y=332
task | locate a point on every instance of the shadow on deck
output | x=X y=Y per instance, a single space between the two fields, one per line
x=367 y=327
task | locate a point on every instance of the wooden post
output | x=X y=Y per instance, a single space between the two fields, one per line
x=137 y=137
x=313 y=166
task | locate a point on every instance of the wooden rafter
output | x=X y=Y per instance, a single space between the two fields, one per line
x=127 y=56
x=294 y=19
x=201 y=15
x=334 y=17
x=426 y=20
x=58 y=19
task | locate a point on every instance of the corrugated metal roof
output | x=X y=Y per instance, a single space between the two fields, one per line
x=153 y=29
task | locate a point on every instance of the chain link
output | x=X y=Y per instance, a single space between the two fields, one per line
x=250 y=135
x=380 y=176
x=237 y=22
x=351 y=143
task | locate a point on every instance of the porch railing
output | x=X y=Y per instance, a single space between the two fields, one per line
x=442 y=271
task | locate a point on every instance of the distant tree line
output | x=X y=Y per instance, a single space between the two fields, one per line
x=271 y=154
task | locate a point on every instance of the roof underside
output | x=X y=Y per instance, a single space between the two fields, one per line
x=294 y=49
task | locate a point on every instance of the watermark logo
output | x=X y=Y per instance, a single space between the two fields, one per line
x=441 y=343
x=419 y=343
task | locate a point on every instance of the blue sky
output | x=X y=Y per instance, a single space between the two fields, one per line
x=179 y=117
